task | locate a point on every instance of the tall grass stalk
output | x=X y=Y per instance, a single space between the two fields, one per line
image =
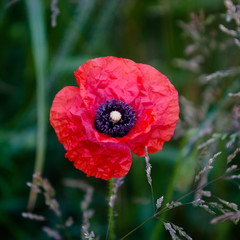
x=39 y=48
x=170 y=207
x=156 y=234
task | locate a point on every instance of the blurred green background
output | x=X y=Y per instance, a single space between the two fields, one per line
x=38 y=59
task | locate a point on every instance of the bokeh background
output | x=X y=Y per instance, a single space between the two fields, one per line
x=38 y=55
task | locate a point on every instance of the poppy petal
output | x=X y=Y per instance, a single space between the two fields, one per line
x=101 y=160
x=73 y=125
x=69 y=117
x=108 y=78
x=164 y=97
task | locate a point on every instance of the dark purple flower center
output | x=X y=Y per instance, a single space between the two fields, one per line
x=115 y=118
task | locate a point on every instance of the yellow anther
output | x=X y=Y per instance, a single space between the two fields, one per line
x=115 y=116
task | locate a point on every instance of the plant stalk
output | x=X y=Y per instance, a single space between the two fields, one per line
x=110 y=213
x=39 y=48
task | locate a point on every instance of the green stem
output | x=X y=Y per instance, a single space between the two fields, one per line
x=110 y=212
x=39 y=47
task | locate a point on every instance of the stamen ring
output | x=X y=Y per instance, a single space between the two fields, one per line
x=115 y=118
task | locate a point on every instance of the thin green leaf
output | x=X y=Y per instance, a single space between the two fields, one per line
x=39 y=48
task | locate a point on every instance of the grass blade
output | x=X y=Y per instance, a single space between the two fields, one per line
x=71 y=35
x=39 y=48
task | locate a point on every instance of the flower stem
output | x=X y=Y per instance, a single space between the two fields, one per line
x=110 y=212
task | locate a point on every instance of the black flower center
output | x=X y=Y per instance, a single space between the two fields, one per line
x=115 y=118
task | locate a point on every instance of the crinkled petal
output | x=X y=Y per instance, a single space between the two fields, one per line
x=101 y=160
x=110 y=78
x=69 y=117
x=74 y=126
x=164 y=97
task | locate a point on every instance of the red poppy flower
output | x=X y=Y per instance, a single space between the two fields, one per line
x=119 y=106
